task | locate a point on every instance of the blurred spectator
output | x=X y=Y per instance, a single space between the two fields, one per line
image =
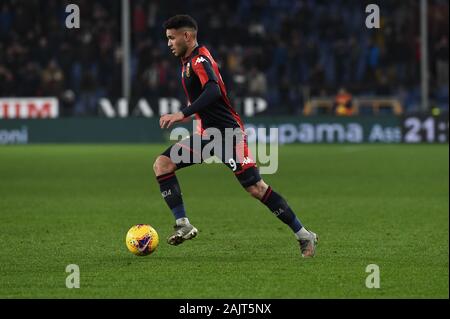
x=52 y=79
x=139 y=22
x=87 y=103
x=276 y=49
x=441 y=51
x=67 y=102
x=257 y=83
x=29 y=79
x=6 y=82
x=343 y=103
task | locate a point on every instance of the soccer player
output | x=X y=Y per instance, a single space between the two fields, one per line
x=208 y=101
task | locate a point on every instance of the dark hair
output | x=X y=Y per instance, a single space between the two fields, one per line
x=180 y=21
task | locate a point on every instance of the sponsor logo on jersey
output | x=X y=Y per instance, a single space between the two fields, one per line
x=200 y=60
x=247 y=160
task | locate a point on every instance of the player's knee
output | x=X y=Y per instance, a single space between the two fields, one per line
x=258 y=190
x=163 y=165
x=254 y=192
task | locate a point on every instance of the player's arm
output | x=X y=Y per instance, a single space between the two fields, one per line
x=211 y=92
x=189 y=118
x=203 y=68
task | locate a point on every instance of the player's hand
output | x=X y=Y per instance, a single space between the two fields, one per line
x=167 y=120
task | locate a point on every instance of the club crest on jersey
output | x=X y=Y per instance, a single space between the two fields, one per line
x=200 y=60
x=188 y=69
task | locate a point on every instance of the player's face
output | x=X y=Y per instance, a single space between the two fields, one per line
x=176 y=41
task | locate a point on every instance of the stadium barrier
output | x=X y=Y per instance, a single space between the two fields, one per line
x=306 y=130
x=359 y=106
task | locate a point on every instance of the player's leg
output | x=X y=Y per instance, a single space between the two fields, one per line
x=170 y=189
x=246 y=171
x=164 y=168
x=278 y=206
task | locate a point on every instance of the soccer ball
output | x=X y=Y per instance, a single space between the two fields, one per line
x=142 y=240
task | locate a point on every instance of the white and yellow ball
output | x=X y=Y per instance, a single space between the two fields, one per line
x=142 y=240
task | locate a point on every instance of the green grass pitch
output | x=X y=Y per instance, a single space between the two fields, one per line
x=370 y=204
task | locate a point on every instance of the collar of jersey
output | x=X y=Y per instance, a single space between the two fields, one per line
x=193 y=53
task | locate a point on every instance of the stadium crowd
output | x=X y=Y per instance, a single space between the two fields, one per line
x=282 y=50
